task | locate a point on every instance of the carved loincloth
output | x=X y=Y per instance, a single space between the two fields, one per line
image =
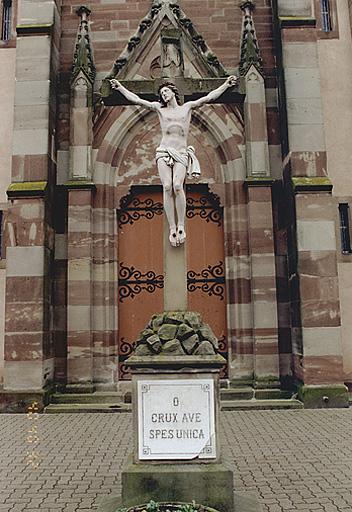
x=186 y=158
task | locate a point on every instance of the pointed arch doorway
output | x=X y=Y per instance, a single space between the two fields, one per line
x=141 y=264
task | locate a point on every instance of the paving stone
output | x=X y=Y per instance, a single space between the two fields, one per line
x=292 y=460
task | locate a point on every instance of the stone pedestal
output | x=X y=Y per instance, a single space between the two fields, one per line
x=208 y=484
x=186 y=384
x=176 y=403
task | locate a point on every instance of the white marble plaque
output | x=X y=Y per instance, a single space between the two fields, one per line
x=176 y=419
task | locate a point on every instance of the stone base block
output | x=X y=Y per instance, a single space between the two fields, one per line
x=80 y=388
x=243 y=502
x=324 y=396
x=207 y=484
x=20 y=401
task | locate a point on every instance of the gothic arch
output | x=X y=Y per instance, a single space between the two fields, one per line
x=223 y=128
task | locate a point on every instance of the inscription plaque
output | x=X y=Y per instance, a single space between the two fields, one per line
x=176 y=419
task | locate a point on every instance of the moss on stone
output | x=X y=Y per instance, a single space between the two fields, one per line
x=79 y=184
x=316 y=181
x=27 y=186
x=34 y=25
x=296 y=18
x=323 y=396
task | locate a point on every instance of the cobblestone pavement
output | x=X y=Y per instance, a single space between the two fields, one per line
x=291 y=460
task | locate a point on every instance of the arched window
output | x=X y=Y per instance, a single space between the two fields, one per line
x=6 y=20
x=325 y=15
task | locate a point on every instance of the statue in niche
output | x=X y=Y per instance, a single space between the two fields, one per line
x=172 y=60
x=174 y=159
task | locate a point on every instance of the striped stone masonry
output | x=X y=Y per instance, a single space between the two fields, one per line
x=79 y=286
x=263 y=282
x=304 y=106
x=29 y=363
x=319 y=290
x=59 y=329
x=29 y=357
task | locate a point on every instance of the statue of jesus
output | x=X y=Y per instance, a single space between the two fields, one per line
x=174 y=159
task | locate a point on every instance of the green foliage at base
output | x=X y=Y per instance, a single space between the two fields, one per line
x=154 y=506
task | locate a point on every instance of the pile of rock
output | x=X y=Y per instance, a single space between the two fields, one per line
x=177 y=333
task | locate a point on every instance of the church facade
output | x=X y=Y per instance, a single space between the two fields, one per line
x=84 y=253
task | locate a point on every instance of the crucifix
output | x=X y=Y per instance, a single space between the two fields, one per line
x=173 y=155
x=174 y=158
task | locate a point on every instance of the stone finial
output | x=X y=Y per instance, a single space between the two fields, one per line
x=250 y=52
x=83 y=12
x=247 y=6
x=164 y=2
x=83 y=55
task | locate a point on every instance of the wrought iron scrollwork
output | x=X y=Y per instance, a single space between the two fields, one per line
x=223 y=350
x=133 y=209
x=210 y=280
x=124 y=372
x=132 y=282
x=208 y=209
x=126 y=348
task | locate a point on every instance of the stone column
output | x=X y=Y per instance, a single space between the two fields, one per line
x=29 y=361
x=263 y=283
x=315 y=308
x=79 y=294
x=80 y=197
x=261 y=234
x=320 y=362
x=29 y=364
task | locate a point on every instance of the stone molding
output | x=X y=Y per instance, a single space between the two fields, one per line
x=314 y=184
x=79 y=185
x=27 y=189
x=259 y=182
x=25 y=30
x=297 y=21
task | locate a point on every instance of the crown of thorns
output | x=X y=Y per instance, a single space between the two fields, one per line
x=172 y=88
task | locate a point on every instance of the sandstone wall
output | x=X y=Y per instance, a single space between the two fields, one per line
x=335 y=58
x=7 y=74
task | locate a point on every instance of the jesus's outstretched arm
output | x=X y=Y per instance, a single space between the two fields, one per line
x=215 y=94
x=132 y=97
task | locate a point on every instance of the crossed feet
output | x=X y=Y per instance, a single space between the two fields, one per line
x=177 y=236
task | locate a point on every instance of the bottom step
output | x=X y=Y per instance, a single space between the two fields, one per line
x=257 y=405
x=81 y=408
